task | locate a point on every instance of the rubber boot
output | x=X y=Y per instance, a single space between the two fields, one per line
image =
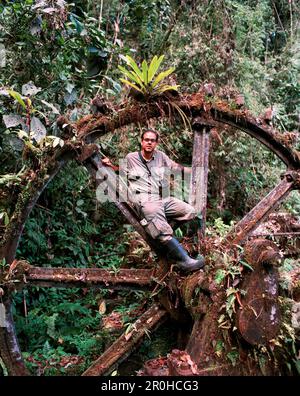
x=176 y=252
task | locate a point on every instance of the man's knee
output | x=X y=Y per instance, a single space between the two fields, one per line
x=180 y=210
x=150 y=209
x=190 y=213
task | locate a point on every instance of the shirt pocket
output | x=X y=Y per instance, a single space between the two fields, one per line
x=136 y=174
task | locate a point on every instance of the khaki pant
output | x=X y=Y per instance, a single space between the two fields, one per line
x=155 y=215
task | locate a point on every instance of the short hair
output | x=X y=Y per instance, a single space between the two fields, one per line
x=150 y=130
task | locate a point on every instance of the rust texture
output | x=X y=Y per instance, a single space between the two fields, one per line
x=181 y=364
x=11 y=239
x=9 y=346
x=194 y=105
x=196 y=302
x=198 y=190
x=205 y=329
x=84 y=277
x=258 y=319
x=171 y=300
x=285 y=228
x=156 y=368
x=277 y=234
x=87 y=151
x=125 y=344
x=253 y=219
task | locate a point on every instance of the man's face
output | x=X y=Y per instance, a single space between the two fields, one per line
x=149 y=142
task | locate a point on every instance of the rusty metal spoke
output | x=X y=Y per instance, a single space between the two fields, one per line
x=90 y=277
x=127 y=342
x=9 y=345
x=198 y=190
x=258 y=320
x=256 y=216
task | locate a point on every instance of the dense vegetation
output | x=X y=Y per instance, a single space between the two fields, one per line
x=61 y=54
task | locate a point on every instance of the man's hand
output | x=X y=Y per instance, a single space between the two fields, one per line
x=107 y=162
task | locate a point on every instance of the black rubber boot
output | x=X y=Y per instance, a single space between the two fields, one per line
x=176 y=252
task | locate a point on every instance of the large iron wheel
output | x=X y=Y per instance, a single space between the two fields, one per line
x=262 y=284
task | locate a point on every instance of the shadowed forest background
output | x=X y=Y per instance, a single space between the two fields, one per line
x=62 y=54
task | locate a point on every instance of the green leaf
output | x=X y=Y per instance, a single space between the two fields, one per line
x=50 y=322
x=132 y=76
x=17 y=97
x=246 y=265
x=154 y=65
x=233 y=357
x=219 y=348
x=220 y=275
x=131 y=84
x=166 y=87
x=134 y=66
x=51 y=106
x=230 y=301
x=145 y=72
x=116 y=86
x=162 y=75
x=4 y=368
x=5 y=218
x=297 y=364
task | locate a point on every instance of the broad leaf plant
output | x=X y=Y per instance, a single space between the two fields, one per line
x=145 y=79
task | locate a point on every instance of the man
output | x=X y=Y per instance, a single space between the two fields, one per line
x=146 y=172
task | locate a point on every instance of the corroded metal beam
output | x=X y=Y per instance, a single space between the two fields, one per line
x=258 y=319
x=15 y=228
x=256 y=128
x=194 y=105
x=9 y=346
x=277 y=234
x=125 y=344
x=255 y=217
x=90 y=277
x=199 y=346
x=198 y=189
x=181 y=364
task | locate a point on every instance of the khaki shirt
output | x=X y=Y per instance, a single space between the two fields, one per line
x=147 y=184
